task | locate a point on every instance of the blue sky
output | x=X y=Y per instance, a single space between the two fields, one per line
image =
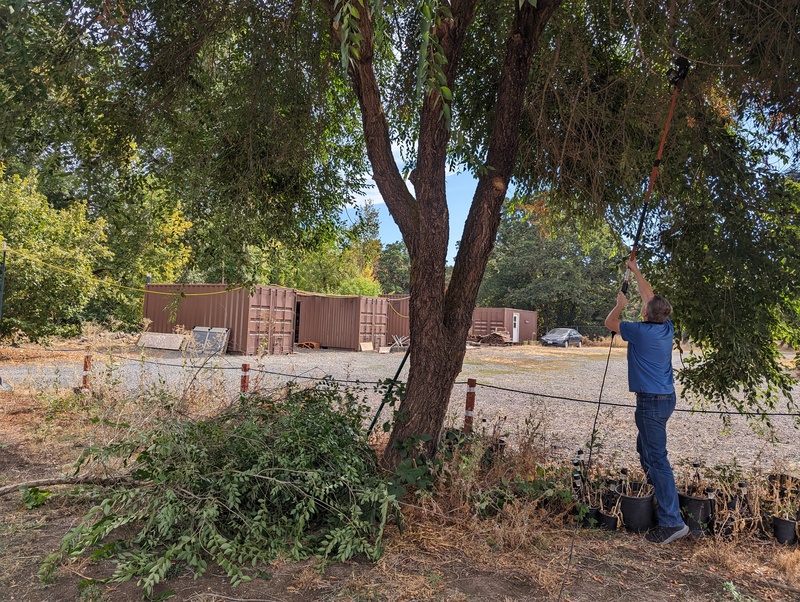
x=460 y=188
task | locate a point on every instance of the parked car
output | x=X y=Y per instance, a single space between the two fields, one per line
x=563 y=337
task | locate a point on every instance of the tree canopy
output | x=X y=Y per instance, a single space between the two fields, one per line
x=236 y=112
x=393 y=267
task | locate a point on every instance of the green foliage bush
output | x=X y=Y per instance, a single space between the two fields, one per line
x=266 y=477
x=49 y=277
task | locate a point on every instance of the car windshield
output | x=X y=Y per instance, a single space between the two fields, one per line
x=558 y=332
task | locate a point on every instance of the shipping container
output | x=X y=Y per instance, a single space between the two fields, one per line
x=397 y=324
x=260 y=323
x=340 y=322
x=519 y=323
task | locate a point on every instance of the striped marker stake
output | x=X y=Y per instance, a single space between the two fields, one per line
x=469 y=412
x=87 y=367
x=244 y=387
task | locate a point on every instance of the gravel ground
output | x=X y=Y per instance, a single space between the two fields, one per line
x=558 y=388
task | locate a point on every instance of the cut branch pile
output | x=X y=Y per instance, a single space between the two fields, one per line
x=501 y=337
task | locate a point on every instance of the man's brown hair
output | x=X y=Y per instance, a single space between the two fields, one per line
x=658 y=309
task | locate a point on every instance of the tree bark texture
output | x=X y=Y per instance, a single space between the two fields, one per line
x=440 y=318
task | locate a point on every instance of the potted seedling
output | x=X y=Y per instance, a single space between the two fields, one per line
x=696 y=500
x=588 y=511
x=784 y=515
x=609 y=508
x=764 y=499
x=731 y=511
x=584 y=492
x=636 y=502
x=496 y=443
x=593 y=489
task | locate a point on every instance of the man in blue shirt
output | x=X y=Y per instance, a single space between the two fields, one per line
x=650 y=377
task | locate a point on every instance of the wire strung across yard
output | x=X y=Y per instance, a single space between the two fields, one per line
x=457 y=383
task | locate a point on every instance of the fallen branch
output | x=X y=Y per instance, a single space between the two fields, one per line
x=777 y=585
x=64 y=481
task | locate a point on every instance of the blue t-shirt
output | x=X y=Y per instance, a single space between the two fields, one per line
x=649 y=356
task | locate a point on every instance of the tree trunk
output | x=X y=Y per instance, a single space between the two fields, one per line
x=439 y=318
x=438 y=337
x=422 y=412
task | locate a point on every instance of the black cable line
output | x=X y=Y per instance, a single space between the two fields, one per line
x=461 y=383
x=184 y=366
x=588 y=466
x=628 y=405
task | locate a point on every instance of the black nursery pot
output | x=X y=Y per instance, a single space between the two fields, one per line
x=697 y=513
x=638 y=513
x=607 y=521
x=592 y=518
x=785 y=530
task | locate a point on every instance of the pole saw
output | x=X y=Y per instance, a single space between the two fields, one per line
x=676 y=78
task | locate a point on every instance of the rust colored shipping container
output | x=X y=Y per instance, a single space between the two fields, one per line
x=261 y=322
x=341 y=322
x=519 y=323
x=397 y=324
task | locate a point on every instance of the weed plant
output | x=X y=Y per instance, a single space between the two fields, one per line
x=289 y=475
x=476 y=475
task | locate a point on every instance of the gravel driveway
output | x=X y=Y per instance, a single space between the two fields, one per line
x=559 y=387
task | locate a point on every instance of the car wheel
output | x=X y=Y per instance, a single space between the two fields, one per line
x=580 y=344
x=566 y=344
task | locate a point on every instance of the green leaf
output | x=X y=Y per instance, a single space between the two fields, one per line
x=34 y=497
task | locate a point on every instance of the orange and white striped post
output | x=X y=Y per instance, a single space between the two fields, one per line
x=244 y=387
x=469 y=412
x=87 y=367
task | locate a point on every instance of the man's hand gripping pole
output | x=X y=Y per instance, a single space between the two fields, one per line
x=676 y=78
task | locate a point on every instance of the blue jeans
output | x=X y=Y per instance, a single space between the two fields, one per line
x=652 y=413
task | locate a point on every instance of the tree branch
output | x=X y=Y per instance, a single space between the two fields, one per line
x=484 y=215
x=386 y=174
x=103 y=481
x=434 y=134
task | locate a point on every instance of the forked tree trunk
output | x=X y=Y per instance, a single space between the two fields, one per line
x=441 y=318
x=423 y=411
x=438 y=337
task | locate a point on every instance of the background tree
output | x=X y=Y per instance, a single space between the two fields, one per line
x=343 y=264
x=567 y=278
x=49 y=277
x=147 y=234
x=393 y=268
x=237 y=113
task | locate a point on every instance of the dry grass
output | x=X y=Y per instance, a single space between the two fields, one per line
x=788 y=564
x=722 y=554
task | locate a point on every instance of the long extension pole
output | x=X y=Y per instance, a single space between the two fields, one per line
x=2 y=280
x=676 y=78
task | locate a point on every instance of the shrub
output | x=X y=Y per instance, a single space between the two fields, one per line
x=265 y=477
x=50 y=270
